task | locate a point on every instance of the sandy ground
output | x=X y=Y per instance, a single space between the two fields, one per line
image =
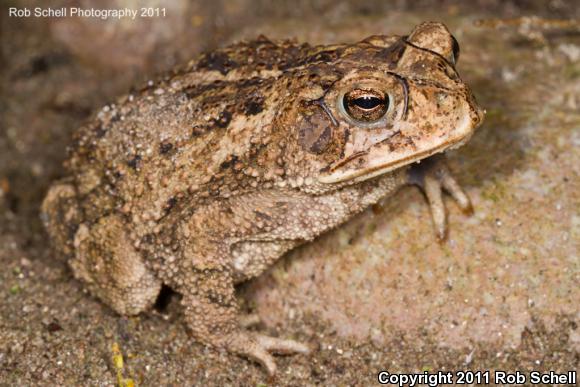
x=379 y=293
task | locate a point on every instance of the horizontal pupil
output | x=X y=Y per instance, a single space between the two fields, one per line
x=367 y=102
x=365 y=106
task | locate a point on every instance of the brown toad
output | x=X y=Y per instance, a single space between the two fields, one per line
x=208 y=176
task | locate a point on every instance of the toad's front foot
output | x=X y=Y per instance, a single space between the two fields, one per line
x=260 y=347
x=432 y=175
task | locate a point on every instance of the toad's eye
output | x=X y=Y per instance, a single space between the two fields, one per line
x=365 y=105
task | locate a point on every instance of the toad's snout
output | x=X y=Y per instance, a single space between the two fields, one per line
x=476 y=113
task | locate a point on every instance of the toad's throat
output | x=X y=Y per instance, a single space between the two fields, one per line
x=359 y=154
x=370 y=172
x=387 y=161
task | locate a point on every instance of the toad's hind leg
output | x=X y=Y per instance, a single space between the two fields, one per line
x=112 y=268
x=206 y=281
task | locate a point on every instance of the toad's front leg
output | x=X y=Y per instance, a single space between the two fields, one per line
x=211 y=308
x=432 y=175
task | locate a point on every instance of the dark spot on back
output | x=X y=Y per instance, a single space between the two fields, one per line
x=254 y=81
x=326 y=84
x=254 y=106
x=325 y=56
x=296 y=56
x=223 y=119
x=218 y=61
x=197 y=90
x=393 y=53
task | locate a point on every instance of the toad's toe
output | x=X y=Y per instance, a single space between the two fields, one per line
x=433 y=176
x=259 y=348
x=281 y=346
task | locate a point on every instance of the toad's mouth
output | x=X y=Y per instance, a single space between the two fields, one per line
x=381 y=159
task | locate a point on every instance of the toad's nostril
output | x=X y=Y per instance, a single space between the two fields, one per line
x=476 y=113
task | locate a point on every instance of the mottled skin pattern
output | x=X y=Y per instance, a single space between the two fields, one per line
x=206 y=177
